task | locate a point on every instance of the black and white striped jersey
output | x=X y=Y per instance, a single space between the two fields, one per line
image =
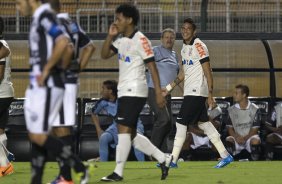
x=44 y=31
x=79 y=40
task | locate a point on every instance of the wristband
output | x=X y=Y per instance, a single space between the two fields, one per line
x=168 y=87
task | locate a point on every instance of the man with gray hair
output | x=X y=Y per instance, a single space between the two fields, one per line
x=168 y=67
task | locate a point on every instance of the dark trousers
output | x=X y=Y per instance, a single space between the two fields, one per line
x=162 y=121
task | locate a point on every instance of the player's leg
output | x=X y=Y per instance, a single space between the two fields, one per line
x=104 y=141
x=214 y=137
x=253 y=146
x=63 y=124
x=6 y=167
x=41 y=107
x=271 y=140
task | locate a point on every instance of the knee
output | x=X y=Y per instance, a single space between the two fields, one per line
x=104 y=139
x=38 y=139
x=269 y=139
x=255 y=141
x=229 y=140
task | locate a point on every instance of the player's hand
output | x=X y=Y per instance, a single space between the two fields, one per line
x=164 y=92
x=42 y=78
x=240 y=140
x=160 y=100
x=113 y=30
x=211 y=102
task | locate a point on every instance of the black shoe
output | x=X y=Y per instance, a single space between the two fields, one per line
x=112 y=178
x=165 y=166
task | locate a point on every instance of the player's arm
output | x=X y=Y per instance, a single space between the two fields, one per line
x=208 y=73
x=176 y=81
x=107 y=49
x=4 y=52
x=67 y=56
x=53 y=29
x=156 y=80
x=95 y=117
x=86 y=53
x=96 y=122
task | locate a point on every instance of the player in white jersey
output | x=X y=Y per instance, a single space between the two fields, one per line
x=134 y=52
x=6 y=98
x=274 y=125
x=48 y=43
x=198 y=88
x=83 y=50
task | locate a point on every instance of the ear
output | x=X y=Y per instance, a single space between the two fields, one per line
x=195 y=32
x=129 y=20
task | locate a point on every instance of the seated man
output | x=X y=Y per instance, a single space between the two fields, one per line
x=196 y=137
x=108 y=105
x=243 y=124
x=274 y=125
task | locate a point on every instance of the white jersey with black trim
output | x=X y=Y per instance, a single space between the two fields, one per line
x=133 y=53
x=6 y=86
x=193 y=55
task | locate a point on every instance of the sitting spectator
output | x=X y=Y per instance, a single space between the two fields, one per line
x=243 y=124
x=274 y=125
x=196 y=137
x=108 y=105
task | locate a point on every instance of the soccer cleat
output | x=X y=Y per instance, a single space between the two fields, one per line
x=112 y=178
x=83 y=177
x=224 y=162
x=11 y=157
x=61 y=180
x=172 y=165
x=165 y=166
x=9 y=169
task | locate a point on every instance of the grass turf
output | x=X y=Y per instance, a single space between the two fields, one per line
x=188 y=172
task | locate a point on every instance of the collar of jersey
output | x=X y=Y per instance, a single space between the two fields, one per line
x=191 y=42
x=135 y=31
x=238 y=106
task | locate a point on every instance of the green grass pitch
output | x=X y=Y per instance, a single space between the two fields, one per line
x=196 y=172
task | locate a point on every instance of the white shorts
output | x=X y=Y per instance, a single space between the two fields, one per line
x=41 y=107
x=247 y=145
x=200 y=141
x=66 y=116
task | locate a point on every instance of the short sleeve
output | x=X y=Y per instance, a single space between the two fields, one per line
x=50 y=25
x=145 y=49
x=202 y=51
x=98 y=107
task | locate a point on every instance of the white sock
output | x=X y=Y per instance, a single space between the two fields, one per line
x=143 y=144
x=214 y=137
x=3 y=142
x=122 y=152
x=3 y=158
x=179 y=139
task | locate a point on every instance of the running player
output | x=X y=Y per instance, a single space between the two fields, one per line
x=6 y=98
x=198 y=89
x=134 y=53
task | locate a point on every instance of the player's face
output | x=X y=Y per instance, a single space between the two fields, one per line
x=122 y=22
x=23 y=7
x=105 y=92
x=168 y=40
x=187 y=31
x=238 y=96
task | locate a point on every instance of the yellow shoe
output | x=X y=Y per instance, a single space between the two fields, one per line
x=9 y=169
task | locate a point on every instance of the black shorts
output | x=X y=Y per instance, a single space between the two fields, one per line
x=4 y=111
x=128 y=110
x=193 y=110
